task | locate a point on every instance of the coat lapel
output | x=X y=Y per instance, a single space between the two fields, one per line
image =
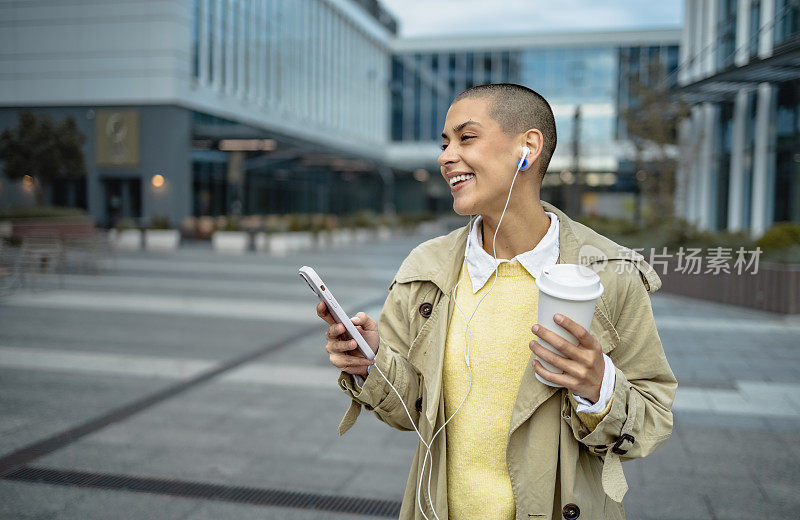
x=532 y=392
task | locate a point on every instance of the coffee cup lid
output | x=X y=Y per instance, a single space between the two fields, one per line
x=570 y=282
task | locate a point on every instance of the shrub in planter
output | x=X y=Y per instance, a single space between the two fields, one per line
x=275 y=224
x=231 y=223
x=299 y=222
x=159 y=222
x=126 y=224
x=781 y=235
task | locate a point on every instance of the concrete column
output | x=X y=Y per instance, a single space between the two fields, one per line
x=762 y=202
x=765 y=38
x=742 y=32
x=685 y=51
x=202 y=38
x=230 y=55
x=736 y=180
x=706 y=204
x=695 y=126
x=216 y=50
x=683 y=173
x=698 y=15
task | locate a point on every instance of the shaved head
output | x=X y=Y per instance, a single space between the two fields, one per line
x=518 y=109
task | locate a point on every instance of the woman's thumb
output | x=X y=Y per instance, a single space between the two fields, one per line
x=365 y=321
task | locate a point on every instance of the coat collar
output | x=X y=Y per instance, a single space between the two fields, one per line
x=439 y=260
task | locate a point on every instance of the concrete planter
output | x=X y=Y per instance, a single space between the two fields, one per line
x=301 y=240
x=126 y=240
x=162 y=239
x=261 y=242
x=323 y=240
x=362 y=235
x=275 y=244
x=383 y=233
x=283 y=243
x=340 y=237
x=235 y=242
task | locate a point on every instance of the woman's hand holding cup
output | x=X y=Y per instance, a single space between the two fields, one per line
x=582 y=364
x=342 y=348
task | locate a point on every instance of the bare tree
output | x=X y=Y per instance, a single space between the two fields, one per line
x=652 y=121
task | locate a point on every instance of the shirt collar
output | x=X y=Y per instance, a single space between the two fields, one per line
x=481 y=266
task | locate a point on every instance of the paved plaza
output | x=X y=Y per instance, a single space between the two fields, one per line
x=194 y=385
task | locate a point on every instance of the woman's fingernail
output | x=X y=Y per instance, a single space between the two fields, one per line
x=559 y=318
x=535 y=329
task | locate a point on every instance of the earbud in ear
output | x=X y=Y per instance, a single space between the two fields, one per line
x=523 y=162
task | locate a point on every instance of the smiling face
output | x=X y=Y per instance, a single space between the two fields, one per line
x=475 y=148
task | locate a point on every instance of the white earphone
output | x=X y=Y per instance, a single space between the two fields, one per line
x=523 y=161
x=521 y=165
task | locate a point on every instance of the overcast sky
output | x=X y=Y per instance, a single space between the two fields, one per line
x=465 y=17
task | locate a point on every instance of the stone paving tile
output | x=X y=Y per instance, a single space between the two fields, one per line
x=715 y=465
x=100 y=504
x=209 y=510
x=28 y=501
x=44 y=403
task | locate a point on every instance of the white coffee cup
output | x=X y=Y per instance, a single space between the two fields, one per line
x=572 y=291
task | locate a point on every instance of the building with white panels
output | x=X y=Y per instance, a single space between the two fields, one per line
x=168 y=87
x=741 y=70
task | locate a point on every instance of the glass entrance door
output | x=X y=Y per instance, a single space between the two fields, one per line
x=123 y=200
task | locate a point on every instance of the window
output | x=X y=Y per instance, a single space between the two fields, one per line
x=787 y=20
x=755 y=26
x=726 y=33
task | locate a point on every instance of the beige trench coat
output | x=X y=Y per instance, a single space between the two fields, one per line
x=558 y=468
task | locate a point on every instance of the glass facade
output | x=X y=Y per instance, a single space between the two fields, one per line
x=646 y=67
x=787 y=152
x=423 y=84
x=307 y=63
x=723 y=148
x=754 y=121
x=755 y=26
x=787 y=21
x=726 y=33
x=597 y=78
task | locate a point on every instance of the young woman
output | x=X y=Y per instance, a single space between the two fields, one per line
x=456 y=350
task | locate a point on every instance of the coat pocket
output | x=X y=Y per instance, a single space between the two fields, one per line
x=604 y=331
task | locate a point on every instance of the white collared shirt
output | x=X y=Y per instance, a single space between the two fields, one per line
x=481 y=266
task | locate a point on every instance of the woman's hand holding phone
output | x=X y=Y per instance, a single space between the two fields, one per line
x=343 y=350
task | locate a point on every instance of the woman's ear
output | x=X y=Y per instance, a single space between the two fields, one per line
x=534 y=142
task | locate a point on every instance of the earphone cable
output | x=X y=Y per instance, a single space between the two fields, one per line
x=467 y=341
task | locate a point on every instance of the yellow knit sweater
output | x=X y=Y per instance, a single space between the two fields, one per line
x=478 y=484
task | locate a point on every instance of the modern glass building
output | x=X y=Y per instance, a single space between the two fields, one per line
x=741 y=69
x=586 y=77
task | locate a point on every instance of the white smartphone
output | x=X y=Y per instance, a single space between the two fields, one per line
x=324 y=293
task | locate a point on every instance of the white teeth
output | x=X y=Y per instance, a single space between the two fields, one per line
x=458 y=178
